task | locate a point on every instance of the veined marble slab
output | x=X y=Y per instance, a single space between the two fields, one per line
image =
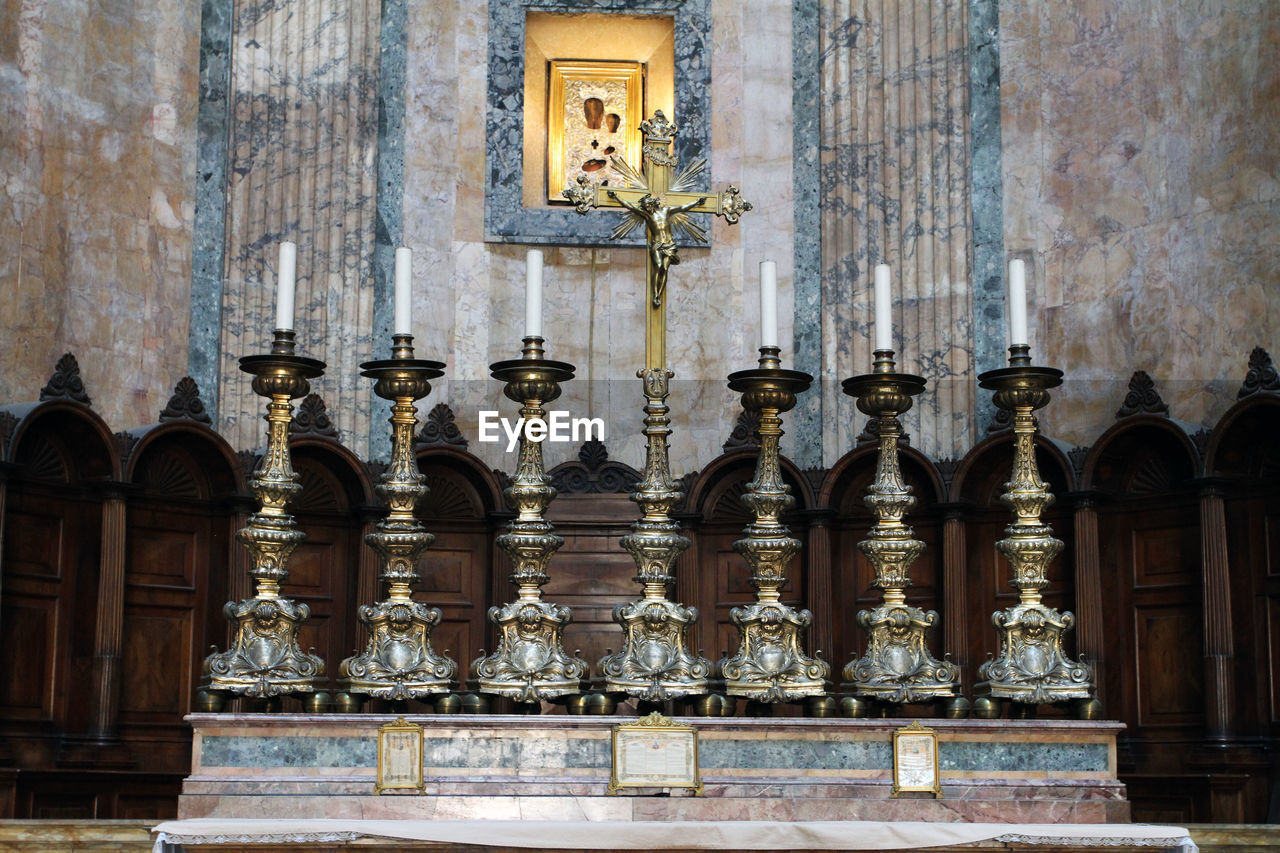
x=521 y=767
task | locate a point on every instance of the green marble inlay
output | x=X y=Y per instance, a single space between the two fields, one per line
x=794 y=754
x=287 y=751
x=533 y=754
x=1088 y=757
x=523 y=754
x=462 y=753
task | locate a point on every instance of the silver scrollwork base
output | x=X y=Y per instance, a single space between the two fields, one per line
x=264 y=660
x=398 y=662
x=530 y=663
x=770 y=665
x=1032 y=667
x=898 y=667
x=655 y=663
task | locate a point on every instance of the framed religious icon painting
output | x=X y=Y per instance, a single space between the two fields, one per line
x=915 y=760
x=655 y=752
x=399 y=757
x=594 y=110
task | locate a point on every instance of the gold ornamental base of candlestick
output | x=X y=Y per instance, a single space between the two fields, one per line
x=655 y=662
x=530 y=663
x=770 y=665
x=398 y=661
x=1031 y=667
x=264 y=659
x=897 y=666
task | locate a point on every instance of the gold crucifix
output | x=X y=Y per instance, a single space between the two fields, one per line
x=663 y=205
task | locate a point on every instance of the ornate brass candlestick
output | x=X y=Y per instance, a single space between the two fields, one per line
x=655 y=663
x=770 y=665
x=264 y=659
x=1031 y=667
x=398 y=661
x=897 y=666
x=530 y=663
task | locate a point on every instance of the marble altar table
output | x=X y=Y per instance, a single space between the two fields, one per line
x=557 y=767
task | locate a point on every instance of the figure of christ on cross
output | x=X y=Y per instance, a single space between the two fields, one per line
x=662 y=242
x=663 y=204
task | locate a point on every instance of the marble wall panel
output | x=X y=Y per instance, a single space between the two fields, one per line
x=472 y=296
x=302 y=167
x=97 y=166
x=1141 y=185
x=895 y=190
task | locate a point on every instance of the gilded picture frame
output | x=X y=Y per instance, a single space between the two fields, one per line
x=655 y=752
x=594 y=110
x=399 y=757
x=915 y=760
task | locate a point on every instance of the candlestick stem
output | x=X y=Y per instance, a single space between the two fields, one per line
x=770 y=664
x=1031 y=667
x=655 y=662
x=398 y=661
x=264 y=659
x=897 y=666
x=530 y=663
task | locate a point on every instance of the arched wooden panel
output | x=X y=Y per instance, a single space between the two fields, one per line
x=1150 y=558
x=1244 y=454
x=324 y=570
x=178 y=536
x=455 y=570
x=52 y=550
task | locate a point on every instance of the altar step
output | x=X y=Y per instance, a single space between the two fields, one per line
x=134 y=836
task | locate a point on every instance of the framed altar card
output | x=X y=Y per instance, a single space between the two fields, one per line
x=594 y=110
x=915 y=760
x=655 y=752
x=399 y=757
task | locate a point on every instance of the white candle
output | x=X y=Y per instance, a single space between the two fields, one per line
x=768 y=304
x=1017 y=302
x=404 y=292
x=533 y=294
x=286 y=273
x=884 y=309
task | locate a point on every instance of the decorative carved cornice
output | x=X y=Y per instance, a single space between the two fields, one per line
x=1262 y=376
x=312 y=418
x=871 y=433
x=374 y=469
x=185 y=404
x=1077 y=456
x=65 y=383
x=593 y=473
x=248 y=460
x=947 y=471
x=124 y=443
x=815 y=476
x=8 y=424
x=440 y=428
x=1200 y=438
x=1002 y=422
x=744 y=432
x=1142 y=399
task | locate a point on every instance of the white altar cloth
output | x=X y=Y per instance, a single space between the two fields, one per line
x=684 y=835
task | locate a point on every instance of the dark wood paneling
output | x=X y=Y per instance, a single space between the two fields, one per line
x=1167 y=663
x=453 y=572
x=591 y=574
x=28 y=626
x=156 y=660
